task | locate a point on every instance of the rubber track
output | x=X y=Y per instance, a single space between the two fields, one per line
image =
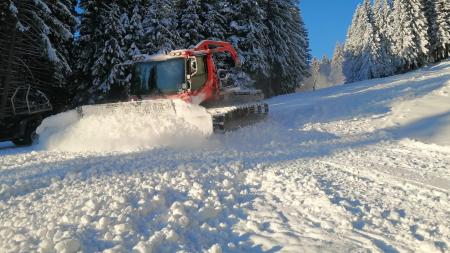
x=235 y=117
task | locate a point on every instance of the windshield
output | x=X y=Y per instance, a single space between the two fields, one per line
x=158 y=77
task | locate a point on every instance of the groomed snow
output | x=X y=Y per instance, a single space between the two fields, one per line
x=363 y=167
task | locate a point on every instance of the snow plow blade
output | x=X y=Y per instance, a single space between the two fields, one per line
x=143 y=107
x=162 y=109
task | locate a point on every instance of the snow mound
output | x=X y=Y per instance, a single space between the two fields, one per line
x=126 y=127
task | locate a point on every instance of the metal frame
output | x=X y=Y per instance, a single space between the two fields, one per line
x=43 y=107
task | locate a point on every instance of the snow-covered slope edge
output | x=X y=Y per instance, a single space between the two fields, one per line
x=415 y=105
x=338 y=170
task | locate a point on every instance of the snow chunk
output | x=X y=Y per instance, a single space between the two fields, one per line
x=68 y=245
x=215 y=249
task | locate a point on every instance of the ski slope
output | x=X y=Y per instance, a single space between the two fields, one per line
x=363 y=167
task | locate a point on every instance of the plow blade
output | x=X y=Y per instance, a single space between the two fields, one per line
x=163 y=110
x=157 y=107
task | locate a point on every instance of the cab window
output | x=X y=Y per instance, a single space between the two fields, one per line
x=199 y=79
x=170 y=75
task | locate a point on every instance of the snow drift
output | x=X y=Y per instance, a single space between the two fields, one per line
x=127 y=127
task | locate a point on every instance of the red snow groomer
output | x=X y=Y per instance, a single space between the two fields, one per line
x=192 y=76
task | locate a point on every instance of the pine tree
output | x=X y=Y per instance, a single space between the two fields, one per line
x=112 y=52
x=382 y=19
x=361 y=45
x=337 y=75
x=100 y=48
x=190 y=27
x=134 y=29
x=160 y=27
x=409 y=34
x=34 y=39
x=350 y=66
x=300 y=49
x=212 y=15
x=430 y=14
x=367 y=44
x=367 y=49
x=315 y=69
x=438 y=17
x=288 y=48
x=247 y=32
x=325 y=66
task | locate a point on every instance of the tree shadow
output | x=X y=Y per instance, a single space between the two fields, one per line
x=8 y=148
x=426 y=129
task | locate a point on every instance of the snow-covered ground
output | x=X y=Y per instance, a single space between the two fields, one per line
x=363 y=167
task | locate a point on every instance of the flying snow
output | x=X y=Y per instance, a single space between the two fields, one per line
x=126 y=127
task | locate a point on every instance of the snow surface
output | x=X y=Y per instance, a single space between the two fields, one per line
x=363 y=167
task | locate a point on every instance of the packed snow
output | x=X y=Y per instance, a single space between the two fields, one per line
x=363 y=167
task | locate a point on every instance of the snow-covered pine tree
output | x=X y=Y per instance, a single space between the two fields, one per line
x=288 y=48
x=112 y=53
x=409 y=34
x=373 y=58
x=212 y=16
x=325 y=66
x=337 y=75
x=315 y=69
x=160 y=27
x=86 y=46
x=61 y=35
x=382 y=19
x=134 y=30
x=438 y=17
x=299 y=63
x=247 y=32
x=100 y=48
x=363 y=44
x=351 y=47
x=443 y=21
x=366 y=54
x=190 y=28
x=430 y=14
x=33 y=39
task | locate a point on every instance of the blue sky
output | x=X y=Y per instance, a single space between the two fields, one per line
x=327 y=22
